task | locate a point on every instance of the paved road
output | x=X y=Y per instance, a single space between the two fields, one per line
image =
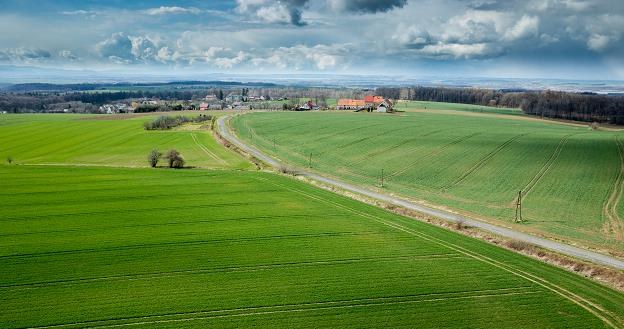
x=562 y=248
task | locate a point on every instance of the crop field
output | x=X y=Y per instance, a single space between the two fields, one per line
x=129 y=247
x=105 y=140
x=571 y=177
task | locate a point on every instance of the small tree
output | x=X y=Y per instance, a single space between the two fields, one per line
x=154 y=157
x=594 y=125
x=175 y=159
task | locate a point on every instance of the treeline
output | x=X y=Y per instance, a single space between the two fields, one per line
x=552 y=104
x=167 y=122
x=44 y=102
x=52 y=87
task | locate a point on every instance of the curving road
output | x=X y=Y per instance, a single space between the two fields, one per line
x=562 y=248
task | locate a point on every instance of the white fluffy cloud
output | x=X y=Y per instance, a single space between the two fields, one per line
x=163 y=10
x=472 y=34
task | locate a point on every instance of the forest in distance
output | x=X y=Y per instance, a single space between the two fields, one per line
x=587 y=107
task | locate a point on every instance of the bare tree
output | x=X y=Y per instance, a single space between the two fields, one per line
x=175 y=159
x=154 y=157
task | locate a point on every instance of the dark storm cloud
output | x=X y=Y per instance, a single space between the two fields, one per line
x=367 y=6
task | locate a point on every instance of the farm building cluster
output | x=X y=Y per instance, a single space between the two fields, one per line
x=369 y=104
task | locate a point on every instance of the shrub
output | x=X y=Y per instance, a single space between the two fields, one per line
x=9 y=159
x=175 y=159
x=287 y=170
x=154 y=157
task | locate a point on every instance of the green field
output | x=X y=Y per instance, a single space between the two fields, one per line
x=474 y=163
x=117 y=247
x=117 y=140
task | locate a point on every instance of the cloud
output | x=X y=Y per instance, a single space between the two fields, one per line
x=143 y=48
x=67 y=55
x=365 y=6
x=412 y=36
x=26 y=55
x=282 y=12
x=79 y=13
x=598 y=42
x=460 y=51
x=527 y=26
x=470 y=35
x=117 y=48
x=163 y=10
x=604 y=31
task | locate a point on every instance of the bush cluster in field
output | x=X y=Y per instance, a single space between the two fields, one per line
x=174 y=158
x=164 y=122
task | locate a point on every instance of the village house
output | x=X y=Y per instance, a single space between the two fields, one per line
x=203 y=106
x=112 y=108
x=235 y=98
x=385 y=106
x=307 y=106
x=210 y=98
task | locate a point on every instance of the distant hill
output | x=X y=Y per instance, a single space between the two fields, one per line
x=51 y=87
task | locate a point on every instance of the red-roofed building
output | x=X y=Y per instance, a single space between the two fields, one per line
x=350 y=104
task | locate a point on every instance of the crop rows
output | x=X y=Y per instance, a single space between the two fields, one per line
x=472 y=163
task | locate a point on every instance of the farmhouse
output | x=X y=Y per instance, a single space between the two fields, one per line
x=203 y=106
x=369 y=104
x=350 y=104
x=307 y=106
x=385 y=106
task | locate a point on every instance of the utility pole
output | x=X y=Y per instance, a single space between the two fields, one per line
x=310 y=162
x=382 y=177
x=518 y=218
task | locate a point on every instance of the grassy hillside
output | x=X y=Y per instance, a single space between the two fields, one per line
x=105 y=140
x=108 y=247
x=474 y=163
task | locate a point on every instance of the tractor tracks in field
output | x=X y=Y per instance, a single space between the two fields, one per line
x=370 y=155
x=432 y=153
x=566 y=249
x=231 y=269
x=613 y=223
x=207 y=151
x=312 y=306
x=608 y=317
x=482 y=162
x=526 y=189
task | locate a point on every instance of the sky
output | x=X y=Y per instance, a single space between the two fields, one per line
x=566 y=39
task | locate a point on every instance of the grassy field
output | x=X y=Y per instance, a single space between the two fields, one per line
x=439 y=106
x=111 y=247
x=115 y=140
x=476 y=163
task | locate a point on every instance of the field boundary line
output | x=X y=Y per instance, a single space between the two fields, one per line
x=582 y=302
x=613 y=222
